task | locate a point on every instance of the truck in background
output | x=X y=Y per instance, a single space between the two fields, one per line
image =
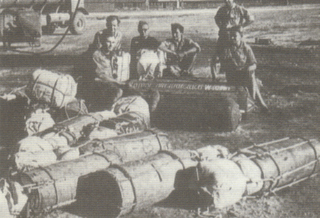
x=27 y=20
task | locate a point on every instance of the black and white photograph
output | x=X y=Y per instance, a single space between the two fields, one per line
x=159 y=108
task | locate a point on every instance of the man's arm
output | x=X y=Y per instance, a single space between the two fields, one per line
x=194 y=48
x=218 y=18
x=133 y=47
x=248 y=18
x=118 y=41
x=163 y=46
x=96 y=44
x=155 y=43
x=251 y=64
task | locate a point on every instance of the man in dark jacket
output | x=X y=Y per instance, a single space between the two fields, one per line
x=144 y=57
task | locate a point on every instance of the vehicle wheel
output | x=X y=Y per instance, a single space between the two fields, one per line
x=49 y=29
x=232 y=116
x=79 y=23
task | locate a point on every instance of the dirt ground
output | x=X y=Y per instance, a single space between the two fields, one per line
x=289 y=70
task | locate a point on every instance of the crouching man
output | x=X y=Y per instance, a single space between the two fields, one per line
x=111 y=68
x=145 y=63
x=239 y=63
x=180 y=52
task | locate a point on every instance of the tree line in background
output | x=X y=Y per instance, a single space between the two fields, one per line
x=277 y=2
x=114 y=5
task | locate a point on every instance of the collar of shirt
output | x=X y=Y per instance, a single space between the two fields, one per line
x=179 y=45
x=116 y=34
x=107 y=54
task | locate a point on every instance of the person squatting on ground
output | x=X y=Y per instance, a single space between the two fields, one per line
x=112 y=23
x=228 y=16
x=145 y=63
x=239 y=63
x=180 y=52
x=112 y=68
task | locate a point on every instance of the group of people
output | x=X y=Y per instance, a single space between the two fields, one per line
x=233 y=56
x=175 y=57
x=149 y=58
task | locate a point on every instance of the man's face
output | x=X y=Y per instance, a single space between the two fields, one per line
x=229 y=3
x=235 y=38
x=113 y=26
x=110 y=43
x=144 y=31
x=177 y=35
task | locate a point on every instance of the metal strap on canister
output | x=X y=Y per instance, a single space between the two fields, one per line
x=173 y=155
x=127 y=175
x=265 y=154
x=102 y=155
x=157 y=136
x=53 y=183
x=315 y=162
x=315 y=155
x=275 y=182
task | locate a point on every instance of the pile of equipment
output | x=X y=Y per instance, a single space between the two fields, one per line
x=125 y=173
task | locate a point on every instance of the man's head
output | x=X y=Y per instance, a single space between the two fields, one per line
x=113 y=23
x=177 y=31
x=143 y=29
x=229 y=3
x=235 y=35
x=109 y=43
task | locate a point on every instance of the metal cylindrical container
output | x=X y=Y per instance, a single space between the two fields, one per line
x=200 y=89
x=285 y=162
x=56 y=185
x=122 y=188
x=195 y=104
x=58 y=17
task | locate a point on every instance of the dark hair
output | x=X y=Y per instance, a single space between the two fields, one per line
x=141 y=23
x=175 y=26
x=112 y=18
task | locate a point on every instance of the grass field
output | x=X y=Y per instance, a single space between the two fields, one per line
x=290 y=73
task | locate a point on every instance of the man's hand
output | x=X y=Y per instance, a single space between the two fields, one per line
x=181 y=55
x=251 y=69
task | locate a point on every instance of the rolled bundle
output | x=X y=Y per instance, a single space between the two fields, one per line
x=120 y=189
x=262 y=168
x=283 y=162
x=56 y=185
